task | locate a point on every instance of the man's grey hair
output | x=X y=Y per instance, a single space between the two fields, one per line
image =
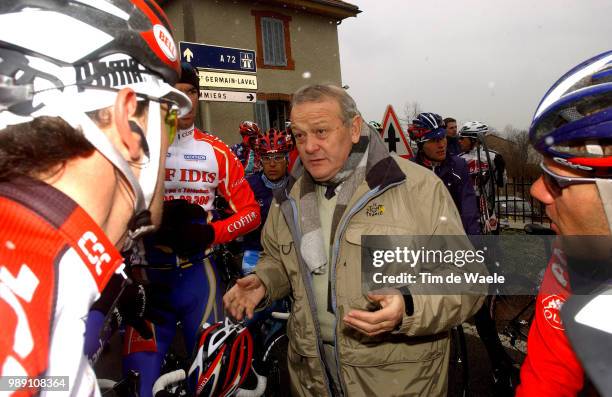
x=320 y=92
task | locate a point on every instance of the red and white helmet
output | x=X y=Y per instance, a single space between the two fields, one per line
x=67 y=58
x=249 y=128
x=274 y=141
x=223 y=360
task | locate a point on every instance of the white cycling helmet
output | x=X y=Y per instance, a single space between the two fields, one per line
x=472 y=129
x=376 y=125
x=67 y=58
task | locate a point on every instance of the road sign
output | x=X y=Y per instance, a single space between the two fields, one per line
x=227 y=80
x=207 y=56
x=394 y=136
x=227 y=96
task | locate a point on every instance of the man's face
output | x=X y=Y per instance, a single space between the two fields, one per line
x=435 y=149
x=323 y=140
x=274 y=165
x=574 y=210
x=451 y=129
x=465 y=144
x=192 y=92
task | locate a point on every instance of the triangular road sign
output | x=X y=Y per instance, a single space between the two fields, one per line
x=393 y=135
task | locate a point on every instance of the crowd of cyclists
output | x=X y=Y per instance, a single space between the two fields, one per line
x=100 y=234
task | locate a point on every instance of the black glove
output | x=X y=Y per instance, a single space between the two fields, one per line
x=184 y=228
x=180 y=212
x=192 y=239
x=136 y=303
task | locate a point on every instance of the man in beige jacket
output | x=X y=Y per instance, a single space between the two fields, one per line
x=342 y=341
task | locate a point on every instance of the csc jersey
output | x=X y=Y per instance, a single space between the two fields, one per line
x=551 y=367
x=54 y=262
x=477 y=163
x=198 y=166
x=481 y=174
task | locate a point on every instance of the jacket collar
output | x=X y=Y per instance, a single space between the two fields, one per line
x=382 y=170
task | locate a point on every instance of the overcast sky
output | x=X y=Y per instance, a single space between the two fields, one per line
x=490 y=61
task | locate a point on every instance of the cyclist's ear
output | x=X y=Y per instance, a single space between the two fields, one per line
x=127 y=125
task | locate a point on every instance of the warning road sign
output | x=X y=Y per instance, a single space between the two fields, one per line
x=393 y=135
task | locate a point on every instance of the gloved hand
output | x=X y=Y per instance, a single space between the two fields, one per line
x=136 y=303
x=184 y=228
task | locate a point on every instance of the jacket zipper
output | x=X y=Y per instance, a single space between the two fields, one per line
x=309 y=294
x=358 y=206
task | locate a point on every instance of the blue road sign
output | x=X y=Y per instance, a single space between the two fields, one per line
x=214 y=57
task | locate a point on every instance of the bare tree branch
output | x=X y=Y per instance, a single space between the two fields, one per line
x=411 y=111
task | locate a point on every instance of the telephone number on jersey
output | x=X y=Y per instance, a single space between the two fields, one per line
x=199 y=200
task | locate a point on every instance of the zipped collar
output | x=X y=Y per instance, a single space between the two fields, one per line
x=186 y=133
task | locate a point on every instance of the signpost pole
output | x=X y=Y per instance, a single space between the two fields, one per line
x=189 y=33
x=207 y=122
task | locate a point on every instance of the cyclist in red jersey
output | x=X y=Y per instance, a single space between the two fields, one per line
x=87 y=110
x=572 y=129
x=551 y=367
x=199 y=167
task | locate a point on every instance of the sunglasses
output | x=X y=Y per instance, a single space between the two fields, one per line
x=555 y=183
x=171 y=121
x=277 y=158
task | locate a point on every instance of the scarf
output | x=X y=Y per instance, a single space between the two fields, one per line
x=364 y=155
x=279 y=184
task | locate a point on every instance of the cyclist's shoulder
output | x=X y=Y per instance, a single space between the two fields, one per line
x=457 y=162
x=206 y=136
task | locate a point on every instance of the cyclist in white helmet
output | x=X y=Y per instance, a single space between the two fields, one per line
x=487 y=171
x=87 y=111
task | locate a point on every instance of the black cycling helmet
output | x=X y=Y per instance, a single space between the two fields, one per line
x=189 y=75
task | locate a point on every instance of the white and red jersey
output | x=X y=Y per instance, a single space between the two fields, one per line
x=551 y=367
x=198 y=166
x=54 y=262
x=478 y=164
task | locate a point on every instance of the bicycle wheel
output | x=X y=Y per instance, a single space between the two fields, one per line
x=275 y=363
x=513 y=315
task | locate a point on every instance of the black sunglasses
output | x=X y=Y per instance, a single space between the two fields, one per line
x=556 y=183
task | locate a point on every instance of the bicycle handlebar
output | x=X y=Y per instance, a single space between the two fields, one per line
x=280 y=315
x=259 y=389
x=166 y=380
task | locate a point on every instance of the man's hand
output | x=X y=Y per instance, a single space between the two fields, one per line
x=244 y=296
x=382 y=320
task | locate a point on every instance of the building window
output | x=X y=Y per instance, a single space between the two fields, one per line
x=278 y=113
x=273 y=37
x=261 y=115
x=273 y=40
x=273 y=112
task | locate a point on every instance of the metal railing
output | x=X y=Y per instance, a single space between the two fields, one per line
x=516 y=207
